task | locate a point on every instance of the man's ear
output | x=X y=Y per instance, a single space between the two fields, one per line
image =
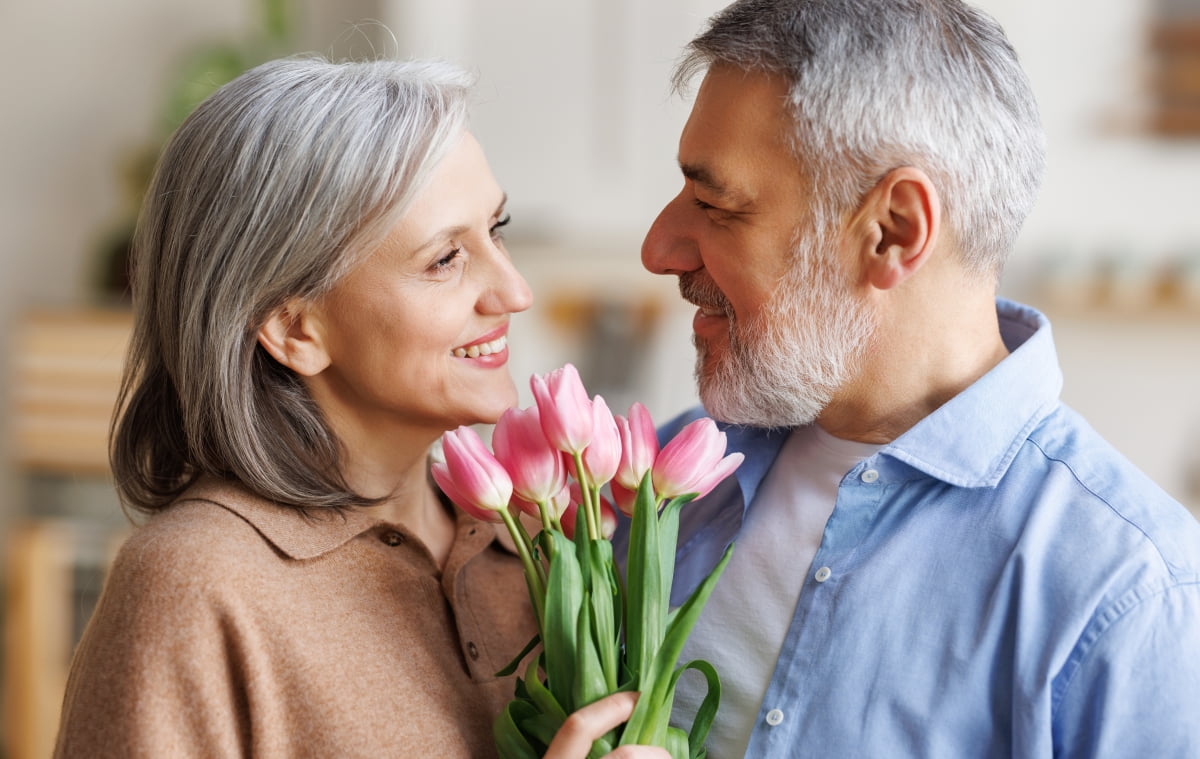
x=900 y=219
x=292 y=336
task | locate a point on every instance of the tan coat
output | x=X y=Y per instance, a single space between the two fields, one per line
x=230 y=627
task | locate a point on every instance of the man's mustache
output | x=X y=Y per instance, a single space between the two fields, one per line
x=699 y=290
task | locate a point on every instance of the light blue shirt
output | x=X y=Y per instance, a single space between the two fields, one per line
x=996 y=582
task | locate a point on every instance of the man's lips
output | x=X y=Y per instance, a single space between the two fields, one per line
x=709 y=321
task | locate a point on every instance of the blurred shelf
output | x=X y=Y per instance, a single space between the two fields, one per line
x=67 y=368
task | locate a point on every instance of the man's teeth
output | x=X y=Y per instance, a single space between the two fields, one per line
x=482 y=349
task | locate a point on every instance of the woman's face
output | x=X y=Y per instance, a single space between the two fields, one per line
x=416 y=335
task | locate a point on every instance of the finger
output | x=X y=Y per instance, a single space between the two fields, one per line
x=574 y=738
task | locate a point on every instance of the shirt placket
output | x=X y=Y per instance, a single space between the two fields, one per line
x=797 y=682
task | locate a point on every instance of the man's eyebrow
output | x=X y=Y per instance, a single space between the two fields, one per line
x=702 y=176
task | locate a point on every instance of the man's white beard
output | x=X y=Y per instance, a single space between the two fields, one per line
x=783 y=367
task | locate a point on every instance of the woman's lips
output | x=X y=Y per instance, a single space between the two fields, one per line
x=490 y=349
x=475 y=350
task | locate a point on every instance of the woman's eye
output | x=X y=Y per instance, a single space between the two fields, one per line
x=702 y=205
x=446 y=260
x=502 y=222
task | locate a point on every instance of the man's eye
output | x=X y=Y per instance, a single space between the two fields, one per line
x=702 y=205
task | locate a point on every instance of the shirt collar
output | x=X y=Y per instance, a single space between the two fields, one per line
x=306 y=536
x=964 y=442
x=967 y=442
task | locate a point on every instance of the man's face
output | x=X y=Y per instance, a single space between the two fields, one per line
x=778 y=328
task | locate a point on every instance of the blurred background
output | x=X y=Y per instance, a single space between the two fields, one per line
x=575 y=114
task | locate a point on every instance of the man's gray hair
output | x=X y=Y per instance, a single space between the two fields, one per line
x=269 y=192
x=879 y=84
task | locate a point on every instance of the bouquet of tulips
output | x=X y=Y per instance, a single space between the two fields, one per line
x=599 y=633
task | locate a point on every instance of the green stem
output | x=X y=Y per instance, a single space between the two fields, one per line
x=534 y=574
x=587 y=507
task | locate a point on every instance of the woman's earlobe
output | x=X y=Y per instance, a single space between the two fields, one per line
x=291 y=336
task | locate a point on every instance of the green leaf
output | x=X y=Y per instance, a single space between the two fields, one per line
x=648 y=723
x=590 y=684
x=510 y=740
x=708 y=707
x=643 y=601
x=564 y=598
x=668 y=538
x=540 y=695
x=604 y=599
x=677 y=744
x=512 y=665
x=541 y=727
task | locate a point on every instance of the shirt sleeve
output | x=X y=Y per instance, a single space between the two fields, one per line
x=155 y=673
x=1132 y=687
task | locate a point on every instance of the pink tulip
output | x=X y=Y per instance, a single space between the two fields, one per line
x=639 y=447
x=446 y=483
x=692 y=462
x=603 y=454
x=623 y=497
x=608 y=518
x=565 y=410
x=558 y=504
x=536 y=468
x=471 y=476
x=608 y=514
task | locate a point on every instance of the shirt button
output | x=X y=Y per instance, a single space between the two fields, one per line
x=823 y=574
x=870 y=476
x=392 y=538
x=472 y=651
x=774 y=717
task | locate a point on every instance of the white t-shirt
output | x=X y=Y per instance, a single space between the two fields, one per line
x=742 y=628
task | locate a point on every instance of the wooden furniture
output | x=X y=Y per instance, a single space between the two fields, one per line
x=1175 y=48
x=67 y=367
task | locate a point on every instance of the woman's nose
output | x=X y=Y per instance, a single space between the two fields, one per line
x=508 y=292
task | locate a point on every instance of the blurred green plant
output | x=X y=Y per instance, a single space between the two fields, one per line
x=199 y=74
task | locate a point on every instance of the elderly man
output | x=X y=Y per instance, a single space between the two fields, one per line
x=935 y=557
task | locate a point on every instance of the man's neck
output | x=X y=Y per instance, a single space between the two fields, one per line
x=924 y=353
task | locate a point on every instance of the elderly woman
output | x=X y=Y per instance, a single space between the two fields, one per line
x=321 y=289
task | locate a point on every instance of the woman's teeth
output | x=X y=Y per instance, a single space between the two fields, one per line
x=482 y=349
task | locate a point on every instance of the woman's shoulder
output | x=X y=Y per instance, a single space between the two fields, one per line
x=194 y=541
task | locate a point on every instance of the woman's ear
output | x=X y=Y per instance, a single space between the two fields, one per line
x=292 y=336
x=902 y=215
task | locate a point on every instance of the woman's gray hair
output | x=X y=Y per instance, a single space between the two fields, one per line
x=879 y=84
x=269 y=192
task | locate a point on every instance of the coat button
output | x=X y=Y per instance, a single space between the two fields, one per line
x=392 y=538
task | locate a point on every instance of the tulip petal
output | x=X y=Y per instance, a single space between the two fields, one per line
x=444 y=481
x=475 y=472
x=639 y=446
x=566 y=412
x=689 y=459
x=536 y=467
x=603 y=454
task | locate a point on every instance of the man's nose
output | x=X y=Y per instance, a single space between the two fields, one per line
x=670 y=246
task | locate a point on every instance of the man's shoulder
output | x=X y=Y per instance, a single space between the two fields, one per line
x=1110 y=495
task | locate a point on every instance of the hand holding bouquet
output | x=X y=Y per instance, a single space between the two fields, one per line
x=598 y=633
